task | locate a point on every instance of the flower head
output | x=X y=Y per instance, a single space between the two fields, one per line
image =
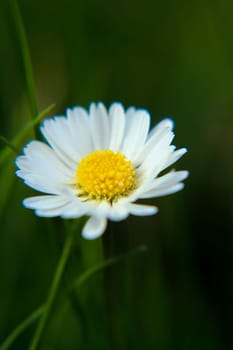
x=98 y=163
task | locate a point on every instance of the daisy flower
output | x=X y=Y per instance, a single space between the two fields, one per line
x=98 y=163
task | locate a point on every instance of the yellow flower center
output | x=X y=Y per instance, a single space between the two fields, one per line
x=105 y=175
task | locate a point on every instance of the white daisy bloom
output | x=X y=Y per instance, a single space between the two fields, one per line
x=99 y=163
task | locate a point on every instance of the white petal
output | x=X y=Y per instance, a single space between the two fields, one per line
x=118 y=211
x=80 y=130
x=117 y=126
x=157 y=138
x=40 y=184
x=94 y=227
x=175 y=156
x=68 y=205
x=167 y=123
x=73 y=210
x=44 y=202
x=160 y=141
x=41 y=169
x=167 y=180
x=130 y=112
x=163 y=191
x=89 y=207
x=41 y=159
x=158 y=155
x=58 y=132
x=56 y=211
x=51 y=213
x=99 y=124
x=101 y=209
x=142 y=210
x=136 y=131
x=150 y=170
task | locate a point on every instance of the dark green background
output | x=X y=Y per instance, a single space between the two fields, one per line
x=174 y=58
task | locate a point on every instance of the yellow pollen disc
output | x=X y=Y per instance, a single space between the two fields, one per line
x=105 y=175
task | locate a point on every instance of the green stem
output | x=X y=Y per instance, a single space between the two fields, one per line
x=105 y=264
x=21 y=327
x=26 y=57
x=77 y=283
x=9 y=144
x=53 y=291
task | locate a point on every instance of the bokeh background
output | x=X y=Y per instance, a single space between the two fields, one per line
x=174 y=58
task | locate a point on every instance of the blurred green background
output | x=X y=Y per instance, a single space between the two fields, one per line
x=174 y=58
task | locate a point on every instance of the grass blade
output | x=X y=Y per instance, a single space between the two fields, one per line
x=18 y=138
x=85 y=276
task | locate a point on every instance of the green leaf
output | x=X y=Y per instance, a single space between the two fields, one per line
x=25 y=56
x=9 y=144
x=13 y=145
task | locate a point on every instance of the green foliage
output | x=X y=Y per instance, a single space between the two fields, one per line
x=173 y=58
